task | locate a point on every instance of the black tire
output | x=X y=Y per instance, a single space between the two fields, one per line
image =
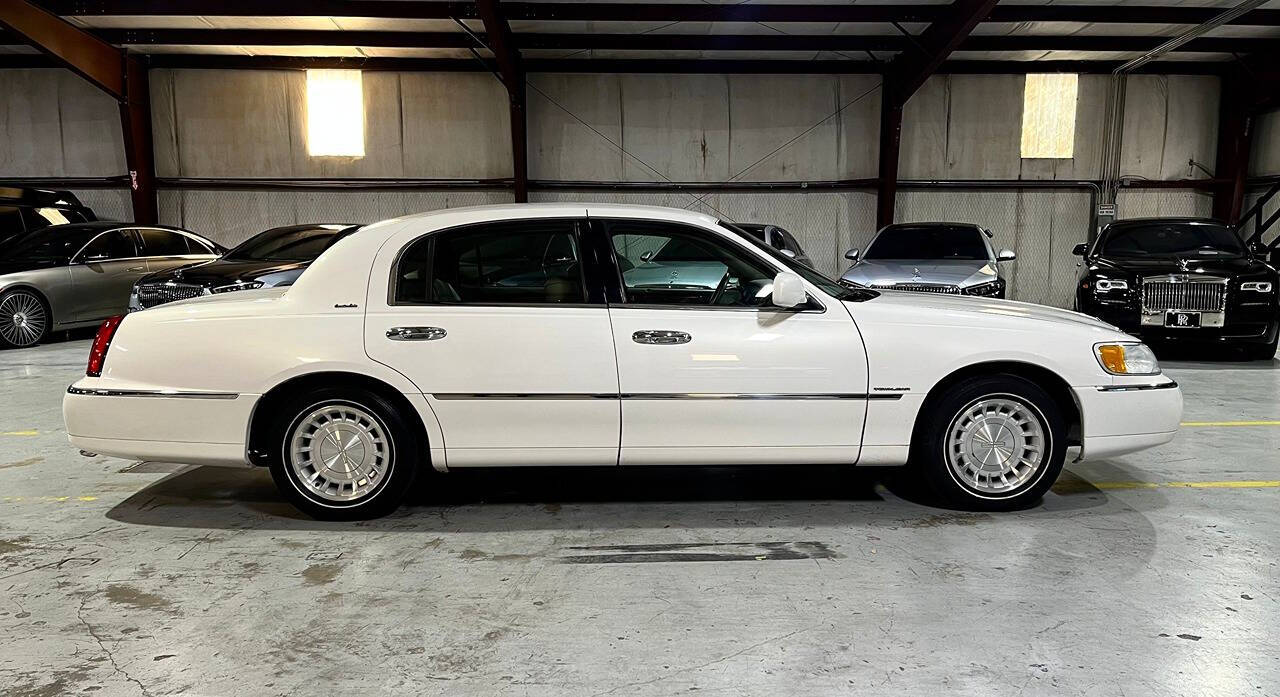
x=35 y=314
x=933 y=450
x=387 y=439
x=1262 y=352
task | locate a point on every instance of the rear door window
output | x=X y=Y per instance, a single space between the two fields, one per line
x=115 y=244
x=163 y=243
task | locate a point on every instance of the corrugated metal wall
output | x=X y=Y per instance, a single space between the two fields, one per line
x=604 y=128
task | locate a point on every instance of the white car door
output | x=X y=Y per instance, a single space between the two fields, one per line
x=499 y=327
x=708 y=374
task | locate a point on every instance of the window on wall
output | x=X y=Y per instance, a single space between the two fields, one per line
x=1049 y=115
x=335 y=113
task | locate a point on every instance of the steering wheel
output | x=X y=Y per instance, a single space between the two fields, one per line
x=720 y=288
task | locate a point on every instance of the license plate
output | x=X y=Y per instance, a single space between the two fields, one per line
x=1181 y=320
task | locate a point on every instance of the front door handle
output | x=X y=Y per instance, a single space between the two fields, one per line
x=660 y=337
x=135 y=269
x=415 y=333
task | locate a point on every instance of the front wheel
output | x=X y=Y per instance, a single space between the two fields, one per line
x=1262 y=352
x=344 y=454
x=24 y=319
x=991 y=443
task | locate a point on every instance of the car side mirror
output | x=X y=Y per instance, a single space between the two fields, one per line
x=851 y=255
x=1079 y=249
x=1006 y=255
x=787 y=253
x=788 y=290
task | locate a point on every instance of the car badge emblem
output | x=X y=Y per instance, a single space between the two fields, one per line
x=1182 y=265
x=915 y=274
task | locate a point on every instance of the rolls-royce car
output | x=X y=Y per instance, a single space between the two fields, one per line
x=954 y=258
x=400 y=353
x=68 y=276
x=1181 y=279
x=24 y=210
x=778 y=238
x=269 y=259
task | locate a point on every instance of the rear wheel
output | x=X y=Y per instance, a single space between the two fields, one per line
x=24 y=319
x=345 y=454
x=991 y=443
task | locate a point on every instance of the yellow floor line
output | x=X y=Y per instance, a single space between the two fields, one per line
x=1246 y=484
x=1231 y=423
x=31 y=432
x=1084 y=484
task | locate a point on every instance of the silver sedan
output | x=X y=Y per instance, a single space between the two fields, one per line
x=69 y=276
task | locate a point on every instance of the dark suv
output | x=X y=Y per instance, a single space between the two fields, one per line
x=23 y=210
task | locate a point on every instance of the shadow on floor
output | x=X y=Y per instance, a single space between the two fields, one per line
x=1208 y=356
x=534 y=498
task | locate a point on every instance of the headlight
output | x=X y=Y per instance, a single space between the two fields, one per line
x=1257 y=286
x=242 y=285
x=990 y=289
x=1127 y=359
x=1103 y=285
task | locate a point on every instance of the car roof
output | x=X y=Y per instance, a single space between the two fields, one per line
x=1166 y=221
x=934 y=224
x=499 y=212
x=39 y=197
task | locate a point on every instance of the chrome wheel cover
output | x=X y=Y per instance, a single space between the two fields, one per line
x=997 y=445
x=22 y=319
x=339 y=452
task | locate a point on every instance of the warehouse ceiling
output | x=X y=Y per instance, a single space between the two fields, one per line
x=660 y=36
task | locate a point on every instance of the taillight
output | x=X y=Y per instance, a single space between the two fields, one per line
x=102 y=342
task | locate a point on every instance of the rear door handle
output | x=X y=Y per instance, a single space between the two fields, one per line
x=416 y=333
x=660 y=337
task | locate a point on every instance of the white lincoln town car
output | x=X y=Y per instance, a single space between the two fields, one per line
x=585 y=334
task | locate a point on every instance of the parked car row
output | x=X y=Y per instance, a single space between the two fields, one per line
x=61 y=269
x=1162 y=279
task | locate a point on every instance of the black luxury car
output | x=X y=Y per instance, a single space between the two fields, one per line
x=25 y=210
x=1181 y=279
x=276 y=257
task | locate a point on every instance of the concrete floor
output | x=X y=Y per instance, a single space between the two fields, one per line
x=117 y=579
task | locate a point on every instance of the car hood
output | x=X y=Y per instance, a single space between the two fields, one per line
x=1147 y=266
x=957 y=272
x=224 y=271
x=950 y=309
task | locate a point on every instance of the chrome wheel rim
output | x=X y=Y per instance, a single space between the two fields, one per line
x=339 y=452
x=996 y=444
x=22 y=319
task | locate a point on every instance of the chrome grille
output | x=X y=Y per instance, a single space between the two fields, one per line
x=152 y=294
x=1207 y=295
x=918 y=287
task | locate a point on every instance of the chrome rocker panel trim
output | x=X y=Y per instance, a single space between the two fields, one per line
x=172 y=394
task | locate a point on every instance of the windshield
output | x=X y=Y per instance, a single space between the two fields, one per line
x=285 y=244
x=928 y=242
x=817 y=278
x=1172 y=239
